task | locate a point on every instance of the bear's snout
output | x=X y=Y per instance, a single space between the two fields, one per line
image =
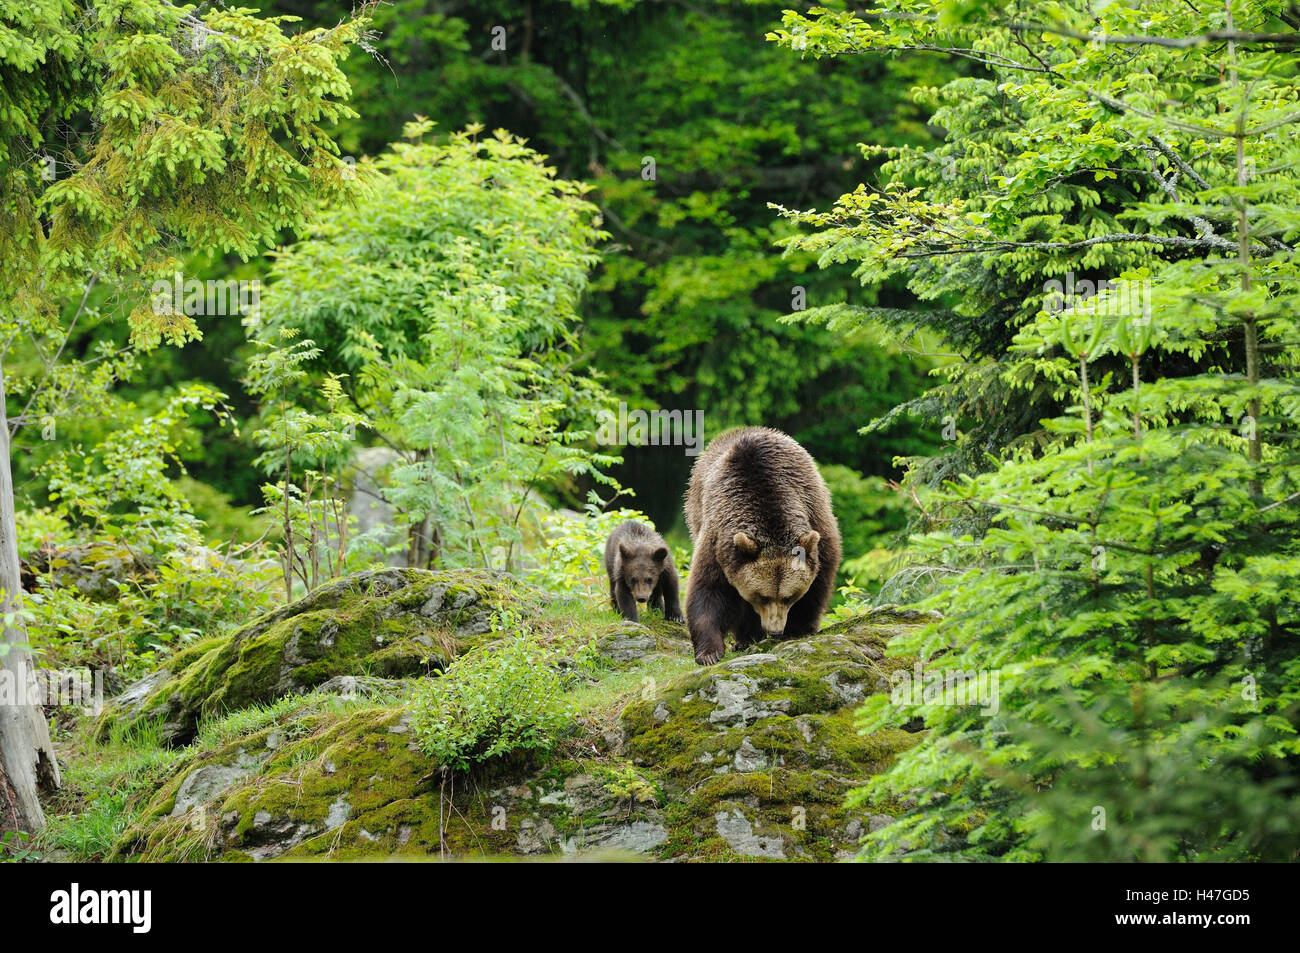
x=772 y=618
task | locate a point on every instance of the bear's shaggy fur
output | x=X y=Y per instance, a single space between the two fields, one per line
x=766 y=542
x=641 y=569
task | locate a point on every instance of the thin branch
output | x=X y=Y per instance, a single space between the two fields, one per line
x=1168 y=241
x=1283 y=40
x=53 y=363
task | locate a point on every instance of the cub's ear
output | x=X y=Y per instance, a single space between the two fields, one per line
x=809 y=541
x=660 y=554
x=745 y=546
x=624 y=551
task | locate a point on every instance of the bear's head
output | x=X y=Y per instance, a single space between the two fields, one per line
x=640 y=568
x=772 y=578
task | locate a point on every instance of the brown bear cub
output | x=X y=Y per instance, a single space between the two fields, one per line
x=641 y=570
x=766 y=542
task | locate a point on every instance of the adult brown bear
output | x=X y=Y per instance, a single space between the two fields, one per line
x=766 y=542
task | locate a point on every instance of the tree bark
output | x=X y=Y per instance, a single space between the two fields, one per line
x=423 y=544
x=28 y=767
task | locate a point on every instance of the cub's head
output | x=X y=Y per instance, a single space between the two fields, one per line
x=772 y=579
x=640 y=568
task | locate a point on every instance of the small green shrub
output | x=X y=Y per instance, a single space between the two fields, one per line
x=627 y=784
x=501 y=699
x=39 y=527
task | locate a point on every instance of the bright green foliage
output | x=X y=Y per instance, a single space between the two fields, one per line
x=203 y=131
x=129 y=578
x=40 y=527
x=154 y=611
x=981 y=222
x=498 y=700
x=1134 y=573
x=451 y=299
x=131 y=133
x=872 y=514
x=485 y=214
x=118 y=488
x=573 y=560
x=684 y=310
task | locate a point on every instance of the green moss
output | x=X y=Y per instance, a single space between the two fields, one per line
x=390 y=623
x=746 y=760
x=764 y=745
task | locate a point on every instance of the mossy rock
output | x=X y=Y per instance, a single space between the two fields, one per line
x=755 y=754
x=749 y=759
x=331 y=783
x=386 y=623
x=96 y=571
x=628 y=644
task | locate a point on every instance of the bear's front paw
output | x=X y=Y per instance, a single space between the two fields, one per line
x=675 y=617
x=707 y=655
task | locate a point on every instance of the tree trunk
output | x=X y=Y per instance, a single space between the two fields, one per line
x=423 y=544
x=27 y=763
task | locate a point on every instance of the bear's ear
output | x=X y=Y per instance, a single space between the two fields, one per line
x=660 y=554
x=624 y=552
x=745 y=546
x=809 y=541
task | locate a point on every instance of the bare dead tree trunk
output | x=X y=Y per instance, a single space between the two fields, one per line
x=28 y=767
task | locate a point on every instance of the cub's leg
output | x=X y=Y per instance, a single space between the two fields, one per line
x=626 y=602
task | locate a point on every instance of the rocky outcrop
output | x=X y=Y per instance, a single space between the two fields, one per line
x=747 y=759
x=755 y=754
x=387 y=623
